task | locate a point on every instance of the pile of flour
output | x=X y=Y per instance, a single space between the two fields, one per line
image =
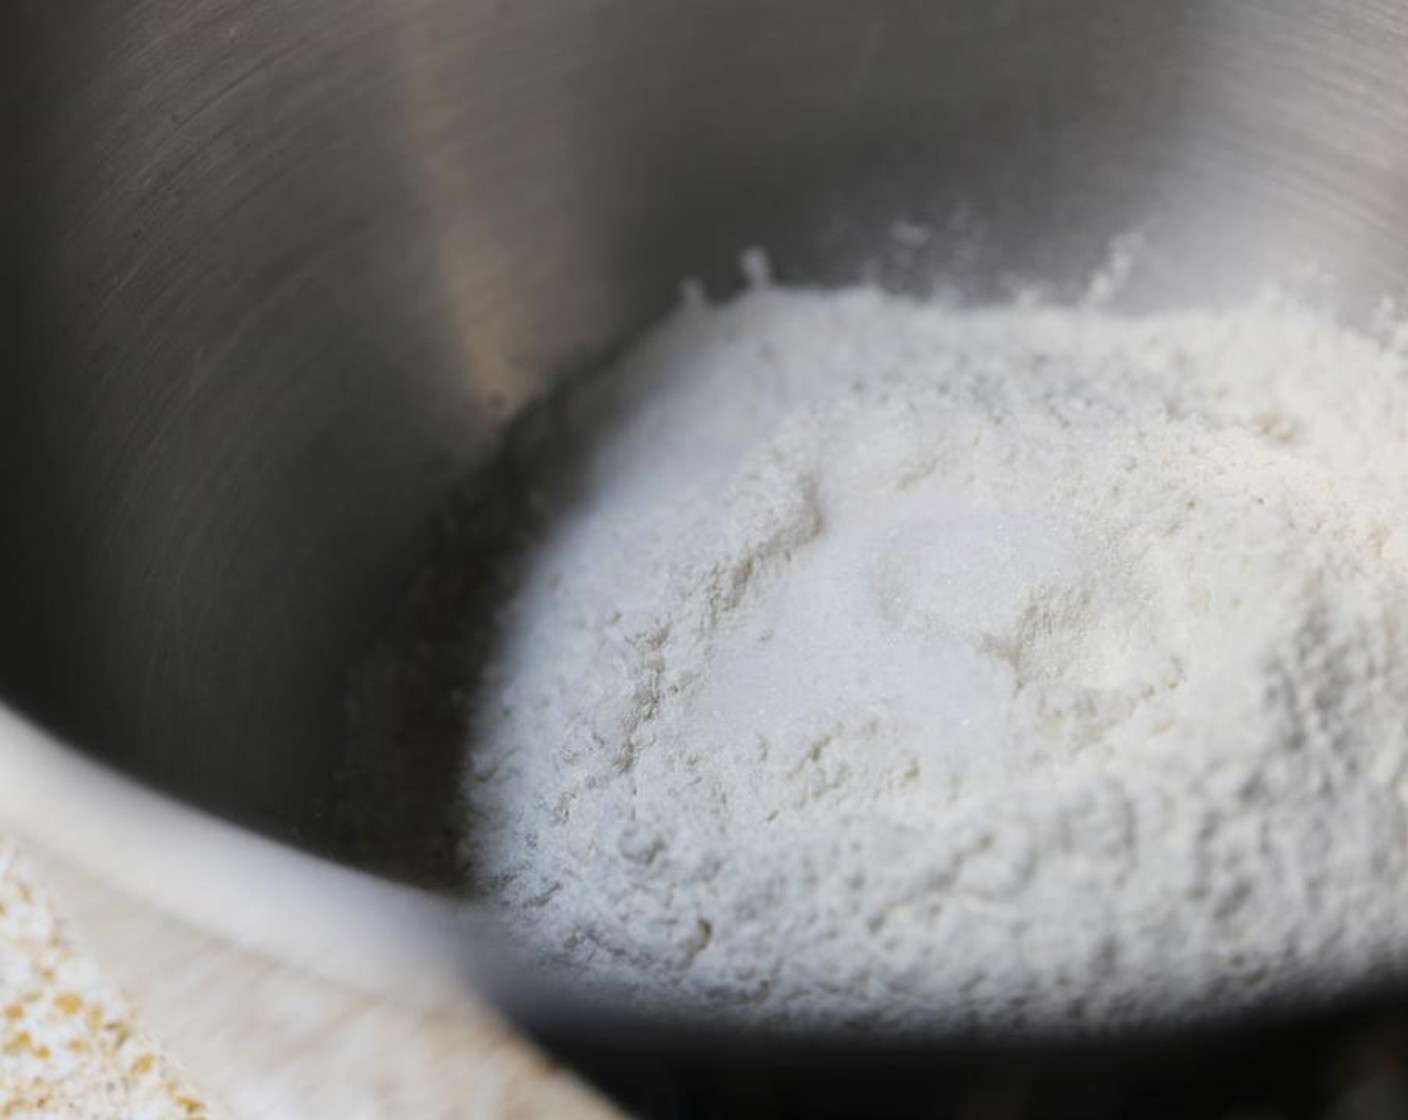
x=884 y=664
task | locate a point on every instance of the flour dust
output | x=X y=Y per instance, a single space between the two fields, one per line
x=884 y=665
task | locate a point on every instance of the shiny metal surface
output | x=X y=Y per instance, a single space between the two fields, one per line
x=274 y=274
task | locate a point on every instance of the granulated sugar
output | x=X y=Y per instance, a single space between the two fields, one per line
x=885 y=664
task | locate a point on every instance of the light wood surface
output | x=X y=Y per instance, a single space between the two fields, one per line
x=71 y=1046
x=266 y=1042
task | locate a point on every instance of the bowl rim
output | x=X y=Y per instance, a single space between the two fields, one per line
x=382 y=938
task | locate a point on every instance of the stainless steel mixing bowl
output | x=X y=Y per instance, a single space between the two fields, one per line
x=275 y=275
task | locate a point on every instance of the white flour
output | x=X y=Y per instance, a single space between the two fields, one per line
x=888 y=664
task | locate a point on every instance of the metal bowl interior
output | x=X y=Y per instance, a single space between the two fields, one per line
x=276 y=277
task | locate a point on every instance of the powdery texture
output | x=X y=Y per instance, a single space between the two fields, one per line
x=886 y=665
